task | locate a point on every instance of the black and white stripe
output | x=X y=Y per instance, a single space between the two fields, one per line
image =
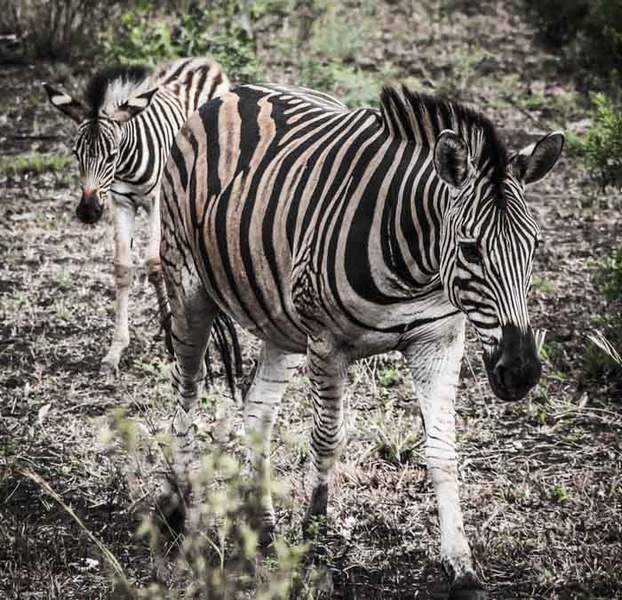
x=127 y=157
x=341 y=234
x=126 y=126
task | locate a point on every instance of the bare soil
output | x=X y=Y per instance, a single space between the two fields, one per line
x=541 y=478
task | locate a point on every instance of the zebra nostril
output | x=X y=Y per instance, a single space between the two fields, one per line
x=501 y=373
x=89 y=211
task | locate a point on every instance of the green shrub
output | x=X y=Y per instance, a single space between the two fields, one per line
x=601 y=149
x=558 y=21
x=147 y=35
x=139 y=38
x=601 y=359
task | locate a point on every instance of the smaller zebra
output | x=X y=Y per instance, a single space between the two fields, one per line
x=126 y=126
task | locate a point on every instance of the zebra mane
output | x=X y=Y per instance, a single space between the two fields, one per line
x=113 y=85
x=420 y=118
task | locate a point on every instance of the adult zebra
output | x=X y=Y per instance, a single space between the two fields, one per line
x=342 y=234
x=125 y=131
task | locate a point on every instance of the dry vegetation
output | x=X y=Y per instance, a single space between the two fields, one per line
x=541 y=478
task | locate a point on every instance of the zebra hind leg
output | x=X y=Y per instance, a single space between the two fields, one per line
x=154 y=272
x=273 y=372
x=191 y=321
x=327 y=374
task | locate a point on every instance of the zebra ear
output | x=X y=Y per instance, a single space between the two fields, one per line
x=132 y=106
x=66 y=104
x=451 y=158
x=536 y=160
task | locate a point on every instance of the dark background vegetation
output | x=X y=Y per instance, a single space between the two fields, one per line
x=541 y=478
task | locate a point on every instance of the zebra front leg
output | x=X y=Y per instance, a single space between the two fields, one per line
x=327 y=368
x=274 y=370
x=435 y=369
x=192 y=317
x=124 y=217
x=154 y=271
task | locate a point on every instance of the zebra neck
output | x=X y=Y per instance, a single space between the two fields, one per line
x=416 y=205
x=146 y=140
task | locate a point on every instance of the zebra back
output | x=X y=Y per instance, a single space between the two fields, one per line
x=313 y=216
x=194 y=81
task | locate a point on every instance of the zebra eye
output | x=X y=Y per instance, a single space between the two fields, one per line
x=471 y=253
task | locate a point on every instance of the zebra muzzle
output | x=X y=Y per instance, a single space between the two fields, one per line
x=90 y=208
x=514 y=367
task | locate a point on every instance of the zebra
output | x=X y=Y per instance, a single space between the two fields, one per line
x=339 y=234
x=126 y=127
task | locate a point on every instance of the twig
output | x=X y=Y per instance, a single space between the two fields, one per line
x=477 y=385
x=108 y=556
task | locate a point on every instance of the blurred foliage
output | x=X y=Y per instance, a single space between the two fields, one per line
x=588 y=31
x=146 y=34
x=558 y=21
x=328 y=37
x=609 y=278
x=33 y=163
x=219 y=555
x=55 y=29
x=464 y=72
x=317 y=39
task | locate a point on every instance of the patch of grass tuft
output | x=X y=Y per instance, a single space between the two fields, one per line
x=559 y=493
x=389 y=376
x=33 y=163
x=599 y=359
x=544 y=285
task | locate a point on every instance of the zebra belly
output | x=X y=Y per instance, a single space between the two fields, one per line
x=265 y=295
x=276 y=327
x=251 y=289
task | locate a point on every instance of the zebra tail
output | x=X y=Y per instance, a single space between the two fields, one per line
x=228 y=345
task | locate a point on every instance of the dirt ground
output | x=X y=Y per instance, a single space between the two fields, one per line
x=541 y=478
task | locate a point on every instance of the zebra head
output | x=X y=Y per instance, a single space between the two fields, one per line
x=487 y=247
x=97 y=145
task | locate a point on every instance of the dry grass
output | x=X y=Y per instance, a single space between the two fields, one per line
x=541 y=478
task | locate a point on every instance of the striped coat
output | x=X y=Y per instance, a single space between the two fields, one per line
x=126 y=126
x=341 y=234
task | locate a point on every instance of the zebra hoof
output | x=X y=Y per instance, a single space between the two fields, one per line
x=170 y=515
x=109 y=368
x=467 y=587
x=314 y=523
x=266 y=538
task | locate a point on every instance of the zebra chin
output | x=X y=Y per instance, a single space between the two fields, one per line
x=513 y=368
